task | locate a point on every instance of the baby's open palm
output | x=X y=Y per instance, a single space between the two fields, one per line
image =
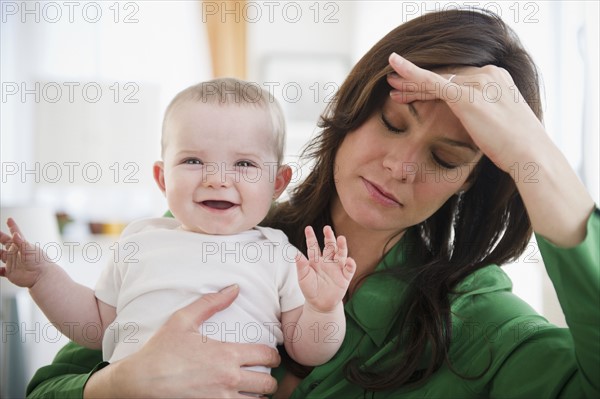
x=24 y=261
x=324 y=277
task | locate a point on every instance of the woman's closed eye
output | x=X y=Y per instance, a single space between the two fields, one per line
x=444 y=164
x=451 y=156
x=391 y=127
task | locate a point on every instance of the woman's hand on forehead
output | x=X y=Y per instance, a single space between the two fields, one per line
x=484 y=99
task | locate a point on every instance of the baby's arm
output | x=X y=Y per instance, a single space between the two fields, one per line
x=314 y=332
x=71 y=307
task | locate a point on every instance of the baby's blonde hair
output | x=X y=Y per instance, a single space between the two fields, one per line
x=232 y=91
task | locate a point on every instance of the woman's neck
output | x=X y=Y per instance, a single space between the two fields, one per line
x=366 y=246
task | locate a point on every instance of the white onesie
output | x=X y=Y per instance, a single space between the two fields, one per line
x=160 y=268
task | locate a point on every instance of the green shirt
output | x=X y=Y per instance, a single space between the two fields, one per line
x=500 y=346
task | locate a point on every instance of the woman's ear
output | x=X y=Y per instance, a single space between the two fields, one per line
x=282 y=179
x=467 y=184
x=465 y=187
x=470 y=179
x=159 y=175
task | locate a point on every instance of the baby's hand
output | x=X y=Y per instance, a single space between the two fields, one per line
x=24 y=261
x=324 y=278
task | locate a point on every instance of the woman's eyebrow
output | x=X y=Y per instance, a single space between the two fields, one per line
x=413 y=112
x=457 y=143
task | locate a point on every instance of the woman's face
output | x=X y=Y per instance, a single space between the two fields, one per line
x=401 y=166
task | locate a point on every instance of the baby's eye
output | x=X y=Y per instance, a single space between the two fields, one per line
x=245 y=164
x=192 y=161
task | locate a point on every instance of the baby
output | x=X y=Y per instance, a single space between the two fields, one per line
x=221 y=169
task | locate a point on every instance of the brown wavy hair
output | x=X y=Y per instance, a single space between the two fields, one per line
x=485 y=225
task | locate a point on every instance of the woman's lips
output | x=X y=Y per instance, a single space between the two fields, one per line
x=379 y=195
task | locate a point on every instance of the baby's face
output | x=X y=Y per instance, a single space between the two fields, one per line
x=219 y=170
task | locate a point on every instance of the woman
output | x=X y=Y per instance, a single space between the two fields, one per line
x=412 y=167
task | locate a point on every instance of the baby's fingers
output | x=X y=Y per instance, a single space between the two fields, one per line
x=312 y=244
x=3 y=255
x=21 y=248
x=330 y=249
x=349 y=269
x=15 y=231
x=15 y=236
x=19 y=241
x=9 y=257
x=302 y=265
x=342 y=248
x=5 y=239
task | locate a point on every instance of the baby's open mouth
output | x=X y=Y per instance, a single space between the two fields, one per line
x=218 y=204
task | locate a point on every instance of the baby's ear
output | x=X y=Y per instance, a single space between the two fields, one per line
x=282 y=179
x=159 y=175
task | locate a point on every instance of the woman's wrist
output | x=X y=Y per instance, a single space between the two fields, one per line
x=99 y=382
x=556 y=200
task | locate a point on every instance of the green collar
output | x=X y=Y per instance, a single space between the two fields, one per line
x=374 y=306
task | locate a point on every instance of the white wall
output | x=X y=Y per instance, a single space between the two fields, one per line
x=139 y=53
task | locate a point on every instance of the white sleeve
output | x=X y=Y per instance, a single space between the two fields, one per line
x=111 y=278
x=109 y=284
x=286 y=275
x=290 y=295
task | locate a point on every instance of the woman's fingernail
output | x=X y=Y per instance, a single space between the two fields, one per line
x=393 y=75
x=229 y=289
x=396 y=59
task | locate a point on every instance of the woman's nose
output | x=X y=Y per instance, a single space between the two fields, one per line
x=403 y=165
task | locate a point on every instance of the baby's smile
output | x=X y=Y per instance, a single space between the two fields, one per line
x=218 y=204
